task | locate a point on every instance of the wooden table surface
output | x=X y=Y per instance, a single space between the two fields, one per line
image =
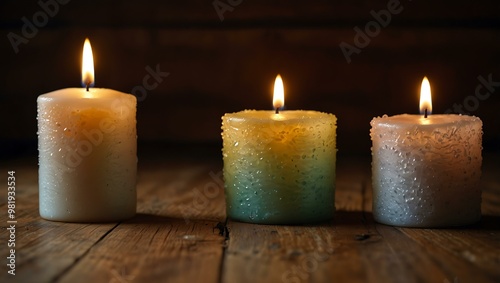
x=180 y=234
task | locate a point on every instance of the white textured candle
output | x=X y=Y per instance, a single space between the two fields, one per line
x=87 y=155
x=426 y=171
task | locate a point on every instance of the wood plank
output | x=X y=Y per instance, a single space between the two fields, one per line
x=472 y=252
x=358 y=249
x=165 y=243
x=44 y=249
x=185 y=182
x=152 y=248
x=475 y=251
x=448 y=255
x=347 y=249
x=172 y=236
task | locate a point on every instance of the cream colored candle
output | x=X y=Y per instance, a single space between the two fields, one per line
x=87 y=155
x=279 y=168
x=426 y=171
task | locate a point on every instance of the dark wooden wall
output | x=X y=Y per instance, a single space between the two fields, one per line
x=225 y=66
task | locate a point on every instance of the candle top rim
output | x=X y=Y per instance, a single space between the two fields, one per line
x=430 y=121
x=81 y=93
x=283 y=116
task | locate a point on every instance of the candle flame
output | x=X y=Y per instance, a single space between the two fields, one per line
x=87 y=65
x=425 y=97
x=279 y=93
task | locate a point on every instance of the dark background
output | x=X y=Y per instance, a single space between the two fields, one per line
x=226 y=66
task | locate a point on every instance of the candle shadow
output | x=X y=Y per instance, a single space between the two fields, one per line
x=351 y=217
x=145 y=218
x=341 y=218
x=487 y=223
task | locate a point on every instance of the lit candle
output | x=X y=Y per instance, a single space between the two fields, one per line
x=87 y=152
x=279 y=166
x=426 y=168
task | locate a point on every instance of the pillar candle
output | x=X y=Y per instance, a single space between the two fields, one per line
x=279 y=168
x=87 y=154
x=426 y=170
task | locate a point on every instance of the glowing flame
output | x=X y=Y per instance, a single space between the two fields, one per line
x=279 y=93
x=87 y=65
x=425 y=97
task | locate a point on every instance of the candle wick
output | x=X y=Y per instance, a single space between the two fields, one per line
x=277 y=110
x=87 y=83
x=425 y=113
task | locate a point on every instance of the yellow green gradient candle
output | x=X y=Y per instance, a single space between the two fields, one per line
x=279 y=168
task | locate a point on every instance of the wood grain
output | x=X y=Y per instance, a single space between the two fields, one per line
x=151 y=248
x=179 y=235
x=44 y=249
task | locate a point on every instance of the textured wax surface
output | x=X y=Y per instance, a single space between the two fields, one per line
x=279 y=169
x=87 y=156
x=426 y=175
